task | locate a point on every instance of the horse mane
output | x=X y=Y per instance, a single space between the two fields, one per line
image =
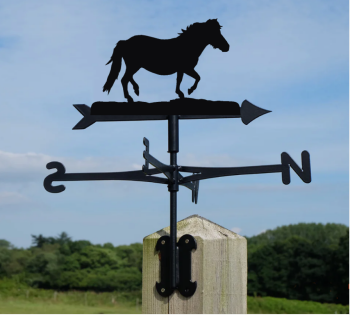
x=195 y=28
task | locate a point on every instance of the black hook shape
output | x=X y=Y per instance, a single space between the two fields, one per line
x=61 y=170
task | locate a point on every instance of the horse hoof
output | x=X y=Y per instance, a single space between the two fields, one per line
x=190 y=91
x=130 y=100
x=137 y=92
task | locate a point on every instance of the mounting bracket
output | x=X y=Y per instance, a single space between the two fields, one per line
x=184 y=248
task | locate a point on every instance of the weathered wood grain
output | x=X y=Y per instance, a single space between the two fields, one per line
x=219 y=265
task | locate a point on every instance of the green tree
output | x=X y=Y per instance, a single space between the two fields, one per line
x=5 y=244
x=297 y=268
x=340 y=270
x=63 y=239
x=326 y=234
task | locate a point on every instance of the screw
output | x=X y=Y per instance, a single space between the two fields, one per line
x=163 y=242
x=187 y=241
x=163 y=290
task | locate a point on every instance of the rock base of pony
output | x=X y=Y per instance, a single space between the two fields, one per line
x=177 y=106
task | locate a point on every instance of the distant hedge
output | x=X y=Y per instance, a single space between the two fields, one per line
x=303 y=262
x=62 y=264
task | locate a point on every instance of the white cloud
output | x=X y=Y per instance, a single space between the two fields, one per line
x=12 y=198
x=236 y=230
x=24 y=167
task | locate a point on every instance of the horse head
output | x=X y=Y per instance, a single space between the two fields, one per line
x=214 y=36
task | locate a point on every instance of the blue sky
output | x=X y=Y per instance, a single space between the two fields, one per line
x=290 y=57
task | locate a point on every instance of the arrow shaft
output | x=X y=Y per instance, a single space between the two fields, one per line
x=208 y=173
x=128 y=175
x=61 y=175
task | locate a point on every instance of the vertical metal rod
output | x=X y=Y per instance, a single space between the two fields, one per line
x=173 y=149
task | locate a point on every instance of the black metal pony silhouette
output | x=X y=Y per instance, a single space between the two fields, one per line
x=165 y=57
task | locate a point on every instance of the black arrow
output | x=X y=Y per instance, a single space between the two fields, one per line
x=121 y=111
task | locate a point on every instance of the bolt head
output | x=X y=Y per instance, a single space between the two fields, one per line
x=163 y=290
x=163 y=242
x=187 y=241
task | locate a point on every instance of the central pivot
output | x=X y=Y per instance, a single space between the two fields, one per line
x=175 y=257
x=173 y=149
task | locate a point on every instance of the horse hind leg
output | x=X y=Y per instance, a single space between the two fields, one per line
x=135 y=86
x=125 y=80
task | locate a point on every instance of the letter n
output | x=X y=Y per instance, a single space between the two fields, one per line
x=287 y=163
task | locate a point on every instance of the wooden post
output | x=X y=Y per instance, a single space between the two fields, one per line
x=219 y=265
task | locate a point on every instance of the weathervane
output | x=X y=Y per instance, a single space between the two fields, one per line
x=166 y=57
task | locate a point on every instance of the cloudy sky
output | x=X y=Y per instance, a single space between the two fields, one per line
x=290 y=57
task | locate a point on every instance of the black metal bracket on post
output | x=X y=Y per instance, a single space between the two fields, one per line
x=175 y=256
x=184 y=283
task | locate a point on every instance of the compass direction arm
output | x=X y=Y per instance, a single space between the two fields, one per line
x=208 y=173
x=287 y=163
x=61 y=175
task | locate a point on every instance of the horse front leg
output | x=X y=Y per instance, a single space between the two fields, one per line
x=192 y=73
x=178 y=82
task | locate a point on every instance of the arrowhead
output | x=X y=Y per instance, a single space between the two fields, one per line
x=87 y=120
x=250 y=112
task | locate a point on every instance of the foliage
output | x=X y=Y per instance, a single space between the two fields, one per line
x=298 y=262
x=327 y=234
x=271 y=305
x=5 y=244
x=300 y=266
x=62 y=264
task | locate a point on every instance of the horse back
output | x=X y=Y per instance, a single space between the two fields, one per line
x=160 y=56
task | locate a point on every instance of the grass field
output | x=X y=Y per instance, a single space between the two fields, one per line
x=272 y=305
x=25 y=307
x=34 y=301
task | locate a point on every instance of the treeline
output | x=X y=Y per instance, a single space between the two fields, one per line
x=63 y=264
x=303 y=262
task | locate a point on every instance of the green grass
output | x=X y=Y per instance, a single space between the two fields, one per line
x=272 y=305
x=25 y=300
x=36 y=307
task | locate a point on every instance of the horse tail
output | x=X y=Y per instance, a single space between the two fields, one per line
x=116 y=60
